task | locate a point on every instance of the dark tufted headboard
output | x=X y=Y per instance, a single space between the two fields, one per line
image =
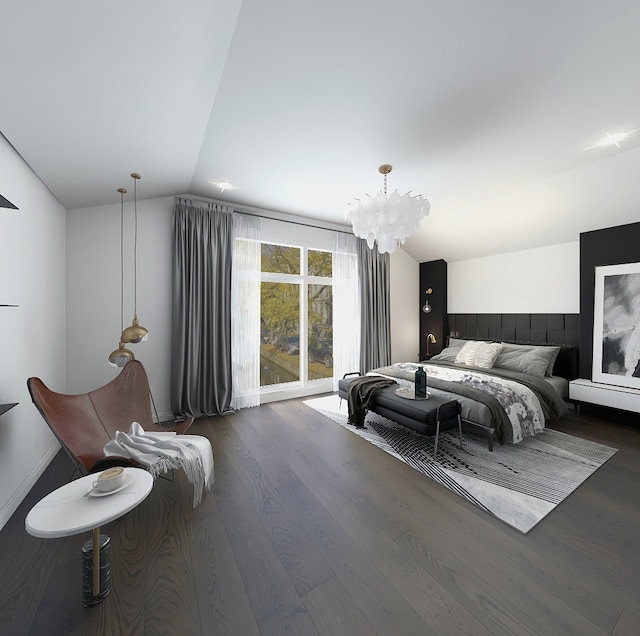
x=557 y=329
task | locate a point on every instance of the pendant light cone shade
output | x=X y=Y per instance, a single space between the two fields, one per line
x=135 y=333
x=121 y=356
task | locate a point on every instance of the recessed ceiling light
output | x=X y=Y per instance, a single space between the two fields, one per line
x=224 y=185
x=613 y=140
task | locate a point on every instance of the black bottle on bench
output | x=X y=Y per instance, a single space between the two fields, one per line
x=421 y=384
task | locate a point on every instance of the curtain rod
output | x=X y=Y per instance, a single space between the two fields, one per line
x=262 y=214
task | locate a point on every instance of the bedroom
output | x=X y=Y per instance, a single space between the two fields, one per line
x=68 y=302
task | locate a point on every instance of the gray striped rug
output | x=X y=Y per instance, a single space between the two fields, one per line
x=519 y=484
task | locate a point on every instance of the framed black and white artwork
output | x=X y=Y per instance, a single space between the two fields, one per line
x=616 y=325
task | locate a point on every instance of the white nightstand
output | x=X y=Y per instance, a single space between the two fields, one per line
x=617 y=397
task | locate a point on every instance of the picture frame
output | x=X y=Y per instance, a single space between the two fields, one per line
x=616 y=325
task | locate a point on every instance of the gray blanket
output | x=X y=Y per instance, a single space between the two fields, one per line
x=361 y=392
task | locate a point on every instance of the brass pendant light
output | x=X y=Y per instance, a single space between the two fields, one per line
x=121 y=356
x=135 y=333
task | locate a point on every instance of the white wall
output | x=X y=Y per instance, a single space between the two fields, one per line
x=93 y=297
x=542 y=280
x=32 y=275
x=405 y=313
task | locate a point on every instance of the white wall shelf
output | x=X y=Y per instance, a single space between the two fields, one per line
x=617 y=397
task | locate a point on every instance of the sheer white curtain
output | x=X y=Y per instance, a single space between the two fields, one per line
x=245 y=312
x=346 y=306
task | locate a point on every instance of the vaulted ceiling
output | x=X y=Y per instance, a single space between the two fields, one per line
x=486 y=108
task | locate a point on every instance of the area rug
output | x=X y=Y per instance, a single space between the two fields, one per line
x=519 y=484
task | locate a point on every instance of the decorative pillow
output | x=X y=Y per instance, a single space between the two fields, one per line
x=467 y=354
x=479 y=353
x=531 y=359
x=486 y=354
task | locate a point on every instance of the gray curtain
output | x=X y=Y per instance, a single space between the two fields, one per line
x=201 y=311
x=375 y=324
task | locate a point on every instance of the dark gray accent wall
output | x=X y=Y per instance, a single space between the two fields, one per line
x=611 y=246
x=433 y=274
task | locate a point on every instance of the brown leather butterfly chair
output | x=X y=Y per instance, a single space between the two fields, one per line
x=84 y=423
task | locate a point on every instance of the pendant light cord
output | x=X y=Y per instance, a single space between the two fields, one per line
x=122 y=192
x=135 y=243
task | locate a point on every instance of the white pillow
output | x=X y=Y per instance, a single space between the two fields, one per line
x=486 y=354
x=467 y=354
x=479 y=354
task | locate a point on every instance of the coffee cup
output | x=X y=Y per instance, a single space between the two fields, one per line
x=110 y=479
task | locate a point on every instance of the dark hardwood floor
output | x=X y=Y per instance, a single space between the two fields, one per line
x=311 y=530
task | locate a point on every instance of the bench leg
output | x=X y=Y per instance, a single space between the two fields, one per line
x=491 y=434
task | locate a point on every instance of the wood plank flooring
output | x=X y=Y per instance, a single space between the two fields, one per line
x=311 y=530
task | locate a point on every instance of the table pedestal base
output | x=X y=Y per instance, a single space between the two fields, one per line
x=96 y=583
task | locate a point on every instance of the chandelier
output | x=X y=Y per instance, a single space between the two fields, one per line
x=387 y=220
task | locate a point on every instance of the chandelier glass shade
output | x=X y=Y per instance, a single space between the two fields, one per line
x=387 y=220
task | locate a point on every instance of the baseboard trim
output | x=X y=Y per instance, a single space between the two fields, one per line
x=164 y=417
x=23 y=490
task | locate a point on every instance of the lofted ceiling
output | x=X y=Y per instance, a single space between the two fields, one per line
x=486 y=108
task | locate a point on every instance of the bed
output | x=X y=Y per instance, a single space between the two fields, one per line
x=510 y=390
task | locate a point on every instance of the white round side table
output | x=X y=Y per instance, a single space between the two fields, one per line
x=74 y=508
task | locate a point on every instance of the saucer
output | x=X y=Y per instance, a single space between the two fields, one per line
x=94 y=492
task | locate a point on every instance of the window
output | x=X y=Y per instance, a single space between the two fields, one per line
x=296 y=314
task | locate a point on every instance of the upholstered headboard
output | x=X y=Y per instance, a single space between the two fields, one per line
x=540 y=329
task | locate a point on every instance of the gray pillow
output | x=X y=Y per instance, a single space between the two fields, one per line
x=531 y=359
x=448 y=354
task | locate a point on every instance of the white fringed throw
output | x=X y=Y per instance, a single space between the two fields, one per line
x=160 y=452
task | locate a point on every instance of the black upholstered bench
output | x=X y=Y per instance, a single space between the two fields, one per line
x=428 y=417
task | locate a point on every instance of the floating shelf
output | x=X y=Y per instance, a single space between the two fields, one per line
x=5 y=407
x=5 y=203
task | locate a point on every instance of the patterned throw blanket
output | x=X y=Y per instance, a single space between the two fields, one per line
x=519 y=404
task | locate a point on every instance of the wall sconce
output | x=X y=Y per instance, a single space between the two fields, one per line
x=430 y=338
x=427 y=306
